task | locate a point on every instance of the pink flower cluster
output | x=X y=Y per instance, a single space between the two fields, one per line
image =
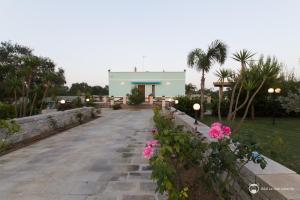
x=219 y=131
x=149 y=149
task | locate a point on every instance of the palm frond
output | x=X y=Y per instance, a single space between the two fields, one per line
x=243 y=56
x=197 y=59
x=217 y=51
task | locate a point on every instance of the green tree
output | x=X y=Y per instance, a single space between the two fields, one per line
x=258 y=74
x=25 y=78
x=98 y=90
x=136 y=97
x=203 y=61
x=80 y=88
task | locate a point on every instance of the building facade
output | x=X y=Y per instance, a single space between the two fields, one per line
x=157 y=84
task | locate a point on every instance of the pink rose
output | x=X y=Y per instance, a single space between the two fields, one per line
x=216 y=132
x=148 y=152
x=226 y=130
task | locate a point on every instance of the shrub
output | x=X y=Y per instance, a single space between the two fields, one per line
x=90 y=104
x=77 y=103
x=292 y=102
x=116 y=106
x=161 y=122
x=7 y=111
x=184 y=164
x=185 y=104
x=136 y=97
x=11 y=128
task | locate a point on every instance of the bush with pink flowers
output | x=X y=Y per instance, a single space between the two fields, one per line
x=226 y=158
x=187 y=167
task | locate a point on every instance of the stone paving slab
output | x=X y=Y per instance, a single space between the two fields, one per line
x=100 y=160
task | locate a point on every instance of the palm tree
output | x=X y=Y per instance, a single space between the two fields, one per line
x=51 y=79
x=222 y=74
x=242 y=56
x=203 y=61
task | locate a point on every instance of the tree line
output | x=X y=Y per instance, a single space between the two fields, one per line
x=248 y=86
x=27 y=79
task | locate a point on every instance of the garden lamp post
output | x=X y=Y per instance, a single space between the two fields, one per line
x=196 y=108
x=176 y=103
x=273 y=92
x=62 y=102
x=87 y=100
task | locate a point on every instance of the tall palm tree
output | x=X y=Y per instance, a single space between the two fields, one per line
x=203 y=61
x=244 y=57
x=222 y=74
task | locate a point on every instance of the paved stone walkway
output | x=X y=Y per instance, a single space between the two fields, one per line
x=100 y=160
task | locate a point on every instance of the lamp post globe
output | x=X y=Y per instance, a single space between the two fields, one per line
x=176 y=102
x=277 y=90
x=62 y=101
x=271 y=90
x=196 y=108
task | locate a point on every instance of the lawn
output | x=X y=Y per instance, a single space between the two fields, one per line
x=280 y=142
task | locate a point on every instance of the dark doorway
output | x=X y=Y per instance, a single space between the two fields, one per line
x=141 y=88
x=153 y=90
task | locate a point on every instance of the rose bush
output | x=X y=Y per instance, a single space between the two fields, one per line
x=226 y=159
x=187 y=167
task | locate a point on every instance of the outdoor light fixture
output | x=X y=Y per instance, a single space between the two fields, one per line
x=168 y=83
x=62 y=101
x=87 y=99
x=273 y=92
x=277 y=90
x=196 y=107
x=176 y=102
x=122 y=83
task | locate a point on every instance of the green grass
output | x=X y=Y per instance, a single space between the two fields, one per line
x=280 y=142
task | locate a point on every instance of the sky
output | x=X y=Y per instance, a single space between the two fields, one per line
x=88 y=37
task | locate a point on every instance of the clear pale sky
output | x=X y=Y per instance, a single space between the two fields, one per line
x=87 y=37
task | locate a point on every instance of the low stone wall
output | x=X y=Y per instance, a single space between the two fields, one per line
x=45 y=124
x=275 y=181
